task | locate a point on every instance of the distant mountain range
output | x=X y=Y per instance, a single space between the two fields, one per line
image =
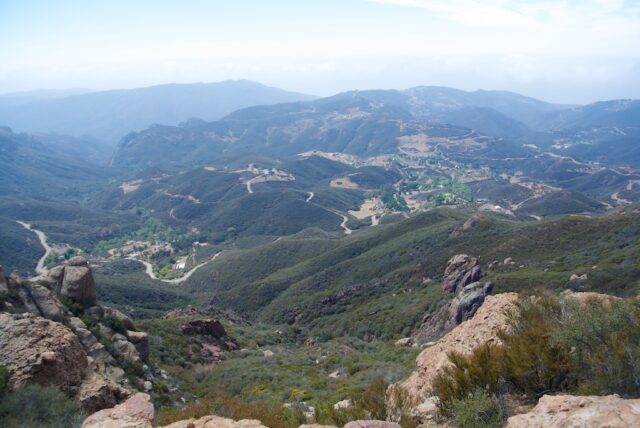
x=110 y=115
x=368 y=123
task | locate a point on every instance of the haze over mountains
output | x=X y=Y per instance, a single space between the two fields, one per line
x=109 y=115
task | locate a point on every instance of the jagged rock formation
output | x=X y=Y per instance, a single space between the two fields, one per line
x=54 y=333
x=556 y=411
x=482 y=328
x=460 y=270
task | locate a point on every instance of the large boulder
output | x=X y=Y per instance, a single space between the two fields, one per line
x=371 y=424
x=556 y=411
x=78 y=284
x=482 y=328
x=206 y=327
x=461 y=270
x=97 y=392
x=46 y=302
x=216 y=422
x=37 y=350
x=73 y=280
x=140 y=340
x=136 y=412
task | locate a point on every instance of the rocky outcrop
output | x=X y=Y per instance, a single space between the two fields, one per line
x=482 y=328
x=461 y=271
x=209 y=310
x=37 y=350
x=136 y=412
x=206 y=327
x=43 y=342
x=73 y=280
x=556 y=411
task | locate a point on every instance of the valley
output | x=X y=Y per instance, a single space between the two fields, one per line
x=284 y=258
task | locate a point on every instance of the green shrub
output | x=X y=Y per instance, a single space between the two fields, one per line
x=554 y=344
x=37 y=406
x=115 y=324
x=479 y=409
x=373 y=398
x=4 y=380
x=605 y=339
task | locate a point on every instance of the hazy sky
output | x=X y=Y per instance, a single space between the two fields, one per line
x=562 y=51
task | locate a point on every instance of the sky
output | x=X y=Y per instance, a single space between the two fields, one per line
x=561 y=51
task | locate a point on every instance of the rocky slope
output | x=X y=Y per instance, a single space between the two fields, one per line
x=555 y=411
x=482 y=328
x=54 y=333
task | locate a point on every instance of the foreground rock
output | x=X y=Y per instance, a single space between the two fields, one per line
x=556 y=411
x=482 y=328
x=371 y=424
x=43 y=341
x=37 y=350
x=136 y=412
x=217 y=422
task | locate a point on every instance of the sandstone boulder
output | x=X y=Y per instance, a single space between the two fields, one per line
x=556 y=411
x=46 y=302
x=73 y=280
x=316 y=426
x=371 y=424
x=216 y=422
x=461 y=270
x=97 y=392
x=78 y=284
x=482 y=328
x=136 y=412
x=126 y=350
x=140 y=340
x=37 y=350
x=207 y=327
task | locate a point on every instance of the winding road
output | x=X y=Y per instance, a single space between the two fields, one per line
x=41 y=270
x=343 y=225
x=149 y=270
